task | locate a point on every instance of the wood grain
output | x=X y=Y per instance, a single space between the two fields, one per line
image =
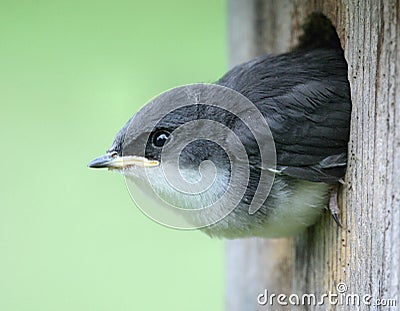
x=365 y=253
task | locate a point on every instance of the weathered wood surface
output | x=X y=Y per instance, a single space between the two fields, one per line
x=365 y=253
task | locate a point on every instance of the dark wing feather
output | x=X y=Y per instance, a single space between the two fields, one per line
x=305 y=99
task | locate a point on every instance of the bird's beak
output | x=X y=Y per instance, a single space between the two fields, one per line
x=113 y=161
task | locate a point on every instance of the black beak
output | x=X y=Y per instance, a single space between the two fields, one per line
x=114 y=161
x=102 y=162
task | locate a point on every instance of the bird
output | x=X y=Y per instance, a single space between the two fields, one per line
x=303 y=96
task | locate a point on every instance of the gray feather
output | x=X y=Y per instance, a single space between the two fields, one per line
x=305 y=98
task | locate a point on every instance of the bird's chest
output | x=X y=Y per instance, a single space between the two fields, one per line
x=289 y=209
x=291 y=206
x=296 y=209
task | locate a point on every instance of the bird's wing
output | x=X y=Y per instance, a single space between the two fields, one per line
x=310 y=126
x=306 y=102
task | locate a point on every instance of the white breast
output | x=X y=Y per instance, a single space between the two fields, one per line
x=292 y=206
x=287 y=211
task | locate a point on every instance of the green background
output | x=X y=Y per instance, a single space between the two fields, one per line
x=71 y=74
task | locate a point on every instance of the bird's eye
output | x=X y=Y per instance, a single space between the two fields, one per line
x=160 y=138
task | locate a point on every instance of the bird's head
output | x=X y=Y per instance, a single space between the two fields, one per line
x=173 y=129
x=189 y=146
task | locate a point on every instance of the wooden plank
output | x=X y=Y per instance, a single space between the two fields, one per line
x=365 y=253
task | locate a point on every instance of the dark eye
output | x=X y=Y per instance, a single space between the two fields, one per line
x=160 y=138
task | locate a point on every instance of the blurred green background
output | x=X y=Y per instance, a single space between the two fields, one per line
x=71 y=74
